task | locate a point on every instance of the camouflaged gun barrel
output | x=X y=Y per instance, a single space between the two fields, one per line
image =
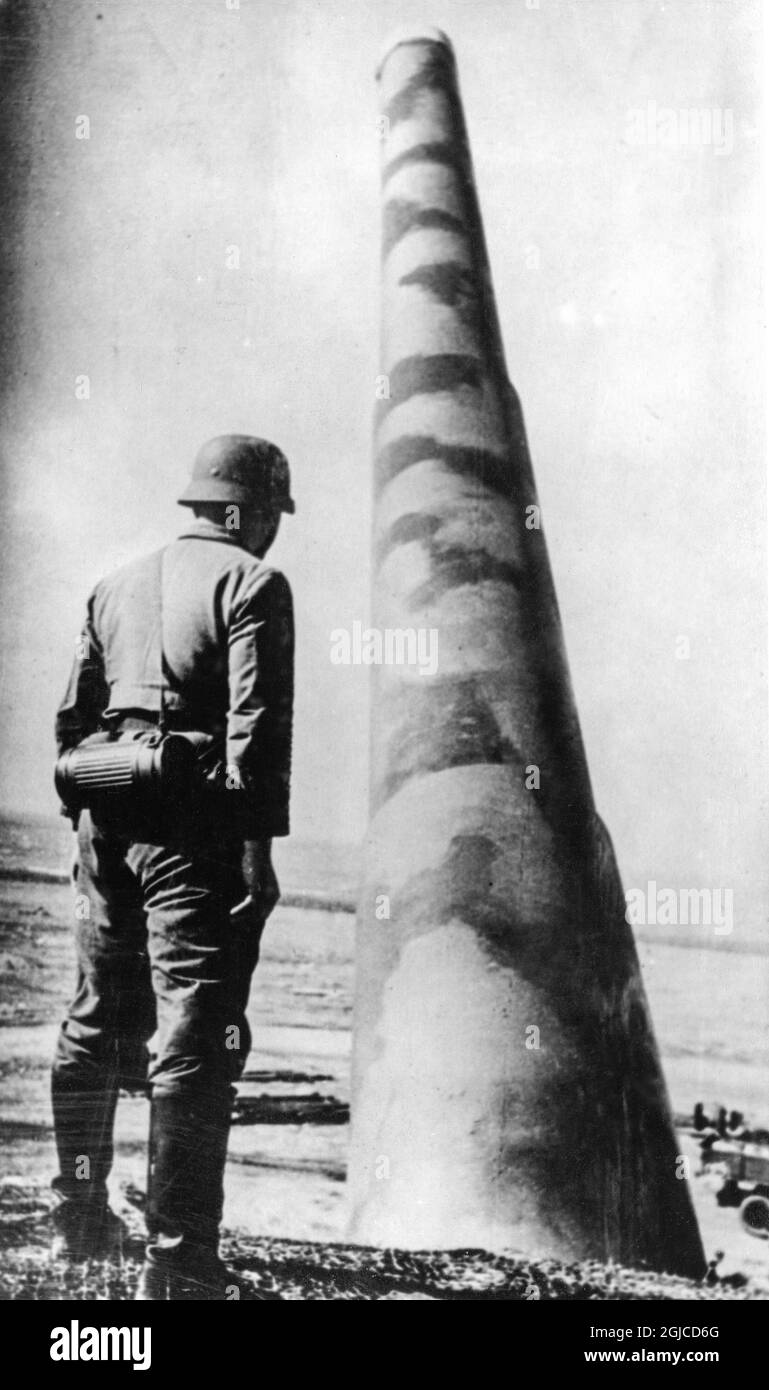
x=507 y=1091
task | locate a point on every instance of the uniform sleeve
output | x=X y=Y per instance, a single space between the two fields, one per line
x=260 y=717
x=87 y=694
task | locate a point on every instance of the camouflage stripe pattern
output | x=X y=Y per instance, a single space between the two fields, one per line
x=507 y=1090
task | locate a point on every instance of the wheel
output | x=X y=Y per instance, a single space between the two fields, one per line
x=754 y=1215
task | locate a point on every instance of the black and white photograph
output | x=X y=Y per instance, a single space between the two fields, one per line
x=384 y=637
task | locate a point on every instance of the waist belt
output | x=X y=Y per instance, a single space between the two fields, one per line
x=176 y=721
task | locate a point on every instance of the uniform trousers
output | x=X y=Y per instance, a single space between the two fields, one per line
x=163 y=979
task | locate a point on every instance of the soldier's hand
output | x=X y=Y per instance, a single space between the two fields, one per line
x=259 y=876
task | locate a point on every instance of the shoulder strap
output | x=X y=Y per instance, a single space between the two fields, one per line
x=158 y=662
x=161 y=653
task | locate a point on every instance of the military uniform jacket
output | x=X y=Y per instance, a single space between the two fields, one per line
x=227 y=629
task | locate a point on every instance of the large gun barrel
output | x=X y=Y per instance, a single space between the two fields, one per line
x=507 y=1091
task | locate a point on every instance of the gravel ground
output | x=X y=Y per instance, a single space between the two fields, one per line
x=310 y=1271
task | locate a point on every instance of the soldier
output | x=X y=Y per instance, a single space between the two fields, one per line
x=169 y=925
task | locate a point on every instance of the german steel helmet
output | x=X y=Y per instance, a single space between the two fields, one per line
x=240 y=468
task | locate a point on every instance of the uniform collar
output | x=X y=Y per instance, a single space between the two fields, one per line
x=202 y=529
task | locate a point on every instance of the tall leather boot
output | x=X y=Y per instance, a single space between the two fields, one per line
x=188 y=1151
x=84 y=1117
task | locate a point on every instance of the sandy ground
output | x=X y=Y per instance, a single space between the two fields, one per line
x=286 y=1180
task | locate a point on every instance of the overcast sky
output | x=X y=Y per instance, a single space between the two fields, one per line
x=625 y=261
